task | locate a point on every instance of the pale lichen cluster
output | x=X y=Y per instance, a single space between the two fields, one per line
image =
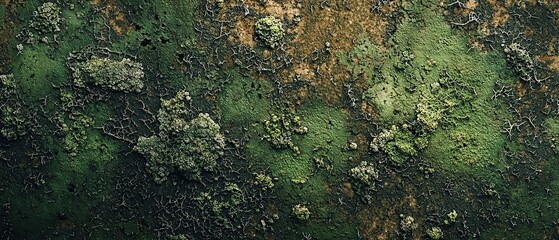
x=123 y=75
x=408 y=223
x=301 y=212
x=47 y=18
x=364 y=176
x=264 y=181
x=12 y=117
x=435 y=233
x=189 y=146
x=521 y=61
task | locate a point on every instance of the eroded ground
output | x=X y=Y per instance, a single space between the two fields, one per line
x=385 y=119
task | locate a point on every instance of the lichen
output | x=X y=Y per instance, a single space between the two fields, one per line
x=187 y=146
x=363 y=178
x=301 y=212
x=12 y=116
x=280 y=130
x=364 y=175
x=521 y=61
x=435 y=233
x=408 y=223
x=264 y=181
x=47 y=18
x=270 y=30
x=451 y=217
x=398 y=143
x=124 y=75
x=74 y=131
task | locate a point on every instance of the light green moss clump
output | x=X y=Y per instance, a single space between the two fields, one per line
x=281 y=128
x=188 y=146
x=215 y=203
x=124 y=75
x=429 y=114
x=408 y=223
x=75 y=133
x=435 y=233
x=264 y=181
x=552 y=133
x=452 y=216
x=398 y=143
x=270 y=30
x=521 y=61
x=364 y=175
x=301 y=212
x=363 y=179
x=47 y=18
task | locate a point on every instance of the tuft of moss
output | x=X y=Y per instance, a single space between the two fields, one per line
x=263 y=181
x=270 y=30
x=435 y=233
x=47 y=18
x=398 y=143
x=124 y=75
x=301 y=212
x=188 y=146
x=280 y=129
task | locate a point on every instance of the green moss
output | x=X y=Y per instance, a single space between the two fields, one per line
x=364 y=59
x=2 y=15
x=433 y=80
x=244 y=102
x=175 y=24
x=299 y=180
x=36 y=70
x=327 y=133
x=552 y=133
x=280 y=130
x=184 y=143
x=69 y=180
x=473 y=147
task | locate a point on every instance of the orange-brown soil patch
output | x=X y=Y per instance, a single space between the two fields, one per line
x=501 y=14
x=115 y=18
x=339 y=23
x=348 y=189
x=552 y=61
x=382 y=220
